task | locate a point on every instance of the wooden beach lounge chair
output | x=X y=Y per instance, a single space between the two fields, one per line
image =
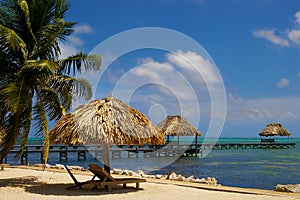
x=105 y=179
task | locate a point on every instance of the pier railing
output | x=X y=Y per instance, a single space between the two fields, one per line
x=169 y=150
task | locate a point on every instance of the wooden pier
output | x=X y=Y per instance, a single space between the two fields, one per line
x=116 y=152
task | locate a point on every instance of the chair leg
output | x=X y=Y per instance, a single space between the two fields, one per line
x=137 y=186
x=95 y=187
x=124 y=185
x=107 y=188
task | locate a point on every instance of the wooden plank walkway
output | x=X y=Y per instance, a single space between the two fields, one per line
x=170 y=150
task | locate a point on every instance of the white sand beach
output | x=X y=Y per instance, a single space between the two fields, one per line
x=33 y=183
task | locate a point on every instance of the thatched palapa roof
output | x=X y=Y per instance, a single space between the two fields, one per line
x=178 y=126
x=274 y=129
x=109 y=121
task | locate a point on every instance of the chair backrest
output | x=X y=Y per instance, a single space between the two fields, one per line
x=100 y=173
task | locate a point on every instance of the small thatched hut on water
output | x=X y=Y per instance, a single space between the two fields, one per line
x=273 y=129
x=178 y=126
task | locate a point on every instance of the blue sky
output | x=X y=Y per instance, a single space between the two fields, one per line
x=255 y=45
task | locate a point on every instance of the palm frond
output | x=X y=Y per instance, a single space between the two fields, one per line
x=10 y=42
x=75 y=63
x=63 y=87
x=14 y=128
x=61 y=7
x=10 y=138
x=48 y=37
x=38 y=70
x=39 y=118
x=82 y=88
x=18 y=94
x=52 y=105
x=25 y=130
x=8 y=12
x=26 y=14
x=30 y=32
x=4 y=14
x=69 y=87
x=41 y=125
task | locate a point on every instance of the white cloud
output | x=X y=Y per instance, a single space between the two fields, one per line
x=297 y=16
x=84 y=28
x=76 y=41
x=174 y=82
x=154 y=71
x=235 y=100
x=67 y=50
x=195 y=64
x=294 y=36
x=267 y=109
x=70 y=47
x=170 y=82
x=281 y=108
x=283 y=83
x=271 y=37
x=289 y=37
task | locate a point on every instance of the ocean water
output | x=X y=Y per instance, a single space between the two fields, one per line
x=248 y=168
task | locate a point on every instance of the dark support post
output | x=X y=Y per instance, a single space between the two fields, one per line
x=106 y=149
x=63 y=154
x=98 y=152
x=42 y=157
x=81 y=154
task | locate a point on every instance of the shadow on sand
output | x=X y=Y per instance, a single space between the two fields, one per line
x=32 y=184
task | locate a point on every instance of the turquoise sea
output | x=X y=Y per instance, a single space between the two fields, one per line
x=248 y=168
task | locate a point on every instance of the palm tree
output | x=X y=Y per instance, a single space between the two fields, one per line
x=35 y=84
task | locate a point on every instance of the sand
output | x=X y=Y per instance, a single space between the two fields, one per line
x=32 y=183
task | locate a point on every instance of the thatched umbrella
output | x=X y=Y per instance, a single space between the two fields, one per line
x=105 y=122
x=274 y=129
x=178 y=126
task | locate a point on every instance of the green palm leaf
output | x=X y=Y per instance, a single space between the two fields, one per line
x=18 y=94
x=51 y=102
x=41 y=125
x=48 y=37
x=11 y=42
x=75 y=63
x=30 y=32
x=38 y=70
